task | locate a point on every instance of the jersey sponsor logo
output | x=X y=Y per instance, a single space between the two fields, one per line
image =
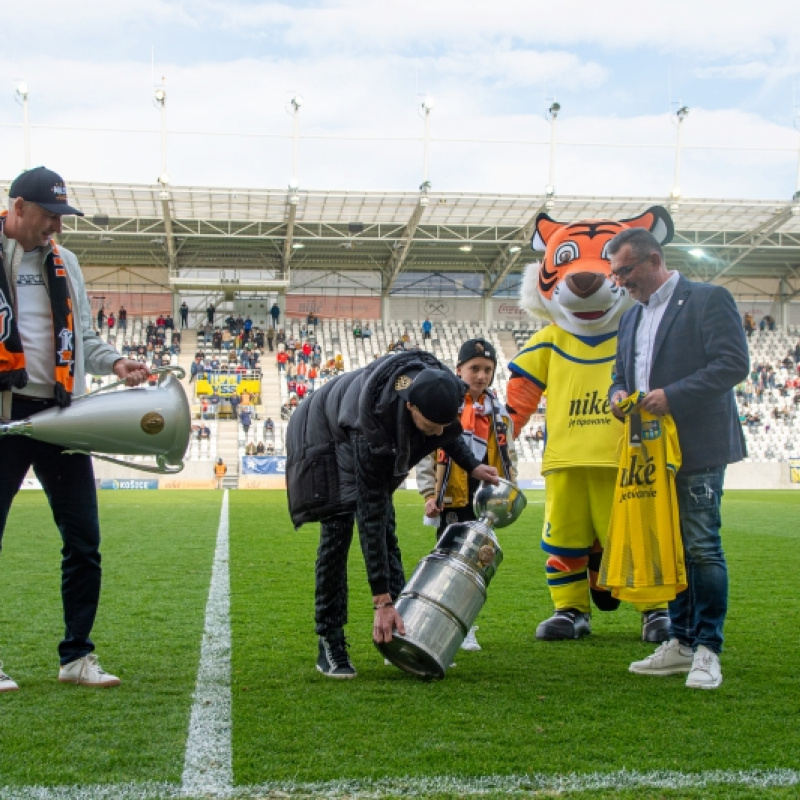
x=639 y=472
x=591 y=409
x=6 y=315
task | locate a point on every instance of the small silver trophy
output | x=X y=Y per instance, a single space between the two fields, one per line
x=448 y=588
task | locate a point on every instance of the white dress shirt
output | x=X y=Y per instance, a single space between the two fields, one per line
x=652 y=314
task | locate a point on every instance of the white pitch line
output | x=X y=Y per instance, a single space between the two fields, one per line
x=522 y=786
x=208 y=763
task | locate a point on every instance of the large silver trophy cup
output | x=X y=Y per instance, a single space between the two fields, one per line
x=155 y=421
x=448 y=588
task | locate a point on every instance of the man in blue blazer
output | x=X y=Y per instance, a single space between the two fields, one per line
x=683 y=345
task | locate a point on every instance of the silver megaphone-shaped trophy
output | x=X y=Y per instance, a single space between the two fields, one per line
x=448 y=588
x=154 y=421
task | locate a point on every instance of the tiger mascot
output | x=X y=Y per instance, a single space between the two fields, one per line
x=572 y=359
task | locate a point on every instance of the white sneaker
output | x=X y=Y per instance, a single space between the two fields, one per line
x=87 y=672
x=470 y=642
x=7 y=684
x=706 y=672
x=671 y=658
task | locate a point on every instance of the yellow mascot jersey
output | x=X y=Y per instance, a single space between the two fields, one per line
x=576 y=374
x=643 y=559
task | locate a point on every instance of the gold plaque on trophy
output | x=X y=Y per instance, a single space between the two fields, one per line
x=152 y=423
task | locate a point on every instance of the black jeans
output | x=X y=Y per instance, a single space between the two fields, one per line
x=336 y=535
x=68 y=482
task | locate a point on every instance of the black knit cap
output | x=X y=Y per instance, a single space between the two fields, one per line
x=476 y=348
x=436 y=394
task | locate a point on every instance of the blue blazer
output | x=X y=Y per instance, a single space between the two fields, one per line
x=699 y=356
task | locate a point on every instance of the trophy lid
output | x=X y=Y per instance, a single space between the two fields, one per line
x=499 y=505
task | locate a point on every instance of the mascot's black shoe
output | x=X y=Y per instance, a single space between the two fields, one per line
x=655 y=625
x=566 y=623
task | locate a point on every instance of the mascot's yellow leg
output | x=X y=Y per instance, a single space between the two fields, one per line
x=577 y=508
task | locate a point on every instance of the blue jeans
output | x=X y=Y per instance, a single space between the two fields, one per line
x=68 y=483
x=697 y=615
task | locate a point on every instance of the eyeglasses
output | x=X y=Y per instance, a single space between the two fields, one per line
x=623 y=272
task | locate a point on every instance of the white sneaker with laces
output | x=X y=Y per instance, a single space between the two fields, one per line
x=706 y=672
x=470 y=642
x=87 y=671
x=7 y=684
x=671 y=658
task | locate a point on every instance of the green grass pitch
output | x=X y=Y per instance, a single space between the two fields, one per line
x=518 y=708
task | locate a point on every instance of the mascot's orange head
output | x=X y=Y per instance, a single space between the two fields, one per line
x=572 y=286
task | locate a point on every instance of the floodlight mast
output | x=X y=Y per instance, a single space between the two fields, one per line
x=550 y=189
x=425 y=108
x=675 y=194
x=295 y=102
x=21 y=93
x=160 y=97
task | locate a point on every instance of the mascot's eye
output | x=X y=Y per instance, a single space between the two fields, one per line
x=566 y=252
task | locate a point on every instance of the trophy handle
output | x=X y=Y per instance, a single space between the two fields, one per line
x=162 y=372
x=162 y=467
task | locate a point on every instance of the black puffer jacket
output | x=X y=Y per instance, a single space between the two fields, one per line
x=360 y=411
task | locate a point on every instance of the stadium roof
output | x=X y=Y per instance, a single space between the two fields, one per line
x=208 y=237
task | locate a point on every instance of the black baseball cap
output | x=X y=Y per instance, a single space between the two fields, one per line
x=436 y=393
x=45 y=188
x=476 y=348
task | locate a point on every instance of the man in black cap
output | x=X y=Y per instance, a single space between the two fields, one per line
x=487 y=432
x=350 y=445
x=47 y=345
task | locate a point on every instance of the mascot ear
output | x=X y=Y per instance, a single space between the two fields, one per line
x=545 y=228
x=657 y=220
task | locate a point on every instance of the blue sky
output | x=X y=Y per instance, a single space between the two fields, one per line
x=619 y=69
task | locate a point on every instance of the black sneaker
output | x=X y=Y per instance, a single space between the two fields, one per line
x=655 y=626
x=333 y=660
x=566 y=623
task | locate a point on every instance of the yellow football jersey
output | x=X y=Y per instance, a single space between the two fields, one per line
x=576 y=373
x=643 y=560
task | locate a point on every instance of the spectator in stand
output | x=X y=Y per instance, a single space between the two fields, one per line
x=301 y=370
x=301 y=390
x=339 y=363
x=169 y=323
x=235 y=401
x=797 y=353
x=312 y=376
x=122 y=319
x=250 y=449
x=280 y=337
x=111 y=322
x=749 y=324
x=275 y=313
x=220 y=470
x=261 y=449
x=226 y=339
x=270 y=338
x=246 y=419
x=210 y=313
x=366 y=333
x=101 y=316
x=204 y=432
x=269 y=427
x=184 y=312
x=427 y=326
x=281 y=360
x=357 y=330
x=246 y=398
x=307 y=350
x=161 y=321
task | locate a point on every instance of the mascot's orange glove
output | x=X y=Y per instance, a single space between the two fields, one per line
x=523 y=398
